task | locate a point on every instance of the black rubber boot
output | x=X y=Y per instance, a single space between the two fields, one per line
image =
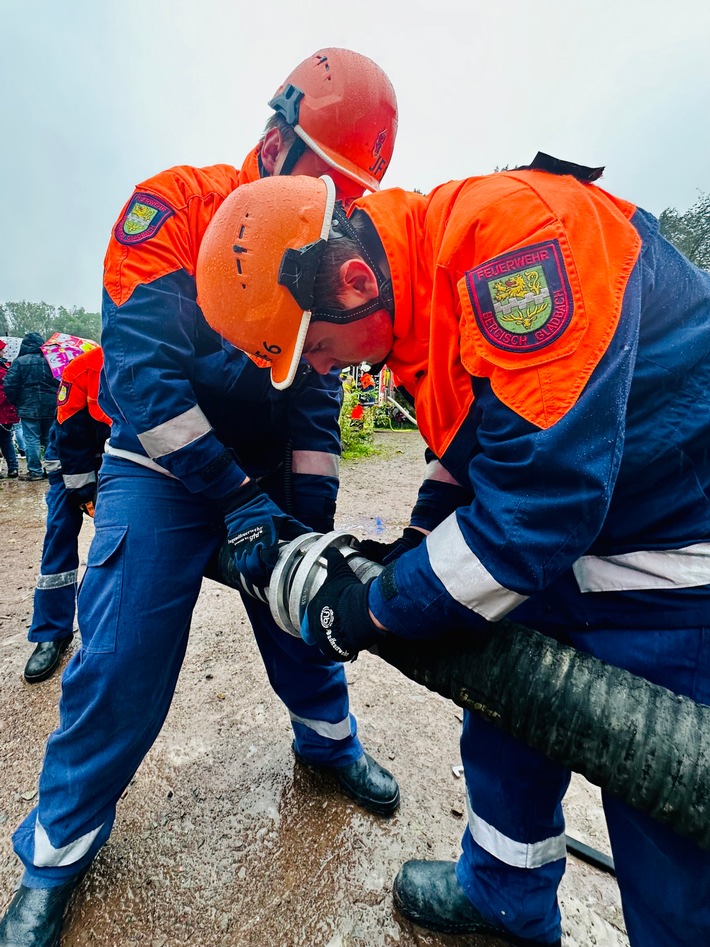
x=35 y=916
x=429 y=894
x=44 y=660
x=369 y=784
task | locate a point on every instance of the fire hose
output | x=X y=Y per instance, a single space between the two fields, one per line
x=636 y=740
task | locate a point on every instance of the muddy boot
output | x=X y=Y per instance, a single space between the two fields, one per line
x=365 y=781
x=429 y=894
x=35 y=915
x=44 y=660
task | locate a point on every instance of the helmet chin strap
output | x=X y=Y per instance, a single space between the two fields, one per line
x=385 y=294
x=288 y=105
x=355 y=313
x=292 y=156
x=299 y=268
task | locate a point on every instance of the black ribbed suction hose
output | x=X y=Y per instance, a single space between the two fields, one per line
x=637 y=741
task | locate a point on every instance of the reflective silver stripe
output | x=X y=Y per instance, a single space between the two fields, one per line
x=684 y=568
x=57 y=581
x=47 y=855
x=463 y=575
x=331 y=731
x=72 y=481
x=315 y=462
x=510 y=852
x=52 y=466
x=435 y=471
x=137 y=459
x=176 y=433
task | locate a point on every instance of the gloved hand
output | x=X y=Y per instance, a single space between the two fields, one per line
x=337 y=618
x=85 y=498
x=385 y=553
x=255 y=524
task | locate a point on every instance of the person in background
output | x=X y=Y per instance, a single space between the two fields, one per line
x=558 y=351
x=72 y=459
x=366 y=381
x=368 y=389
x=201 y=449
x=32 y=388
x=8 y=419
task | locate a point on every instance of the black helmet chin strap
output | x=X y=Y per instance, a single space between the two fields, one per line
x=299 y=268
x=385 y=294
x=294 y=153
x=288 y=105
x=345 y=316
x=292 y=156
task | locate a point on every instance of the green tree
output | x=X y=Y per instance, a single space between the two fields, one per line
x=23 y=317
x=18 y=318
x=77 y=321
x=690 y=232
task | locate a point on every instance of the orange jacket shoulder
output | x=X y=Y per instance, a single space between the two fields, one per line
x=161 y=227
x=542 y=264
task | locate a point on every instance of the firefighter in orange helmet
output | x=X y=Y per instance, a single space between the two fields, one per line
x=558 y=351
x=343 y=109
x=195 y=427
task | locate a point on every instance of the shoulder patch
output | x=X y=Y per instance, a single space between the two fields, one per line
x=63 y=393
x=522 y=300
x=142 y=219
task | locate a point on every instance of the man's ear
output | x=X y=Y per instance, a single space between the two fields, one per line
x=270 y=149
x=358 y=282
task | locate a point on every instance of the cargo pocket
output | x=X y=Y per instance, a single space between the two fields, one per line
x=99 y=601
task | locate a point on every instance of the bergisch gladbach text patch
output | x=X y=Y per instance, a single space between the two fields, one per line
x=143 y=218
x=522 y=300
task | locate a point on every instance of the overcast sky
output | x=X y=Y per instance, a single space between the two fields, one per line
x=97 y=95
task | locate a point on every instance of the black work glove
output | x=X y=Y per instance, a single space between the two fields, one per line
x=255 y=525
x=337 y=619
x=85 y=498
x=385 y=553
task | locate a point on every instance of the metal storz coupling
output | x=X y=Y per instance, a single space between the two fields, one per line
x=301 y=570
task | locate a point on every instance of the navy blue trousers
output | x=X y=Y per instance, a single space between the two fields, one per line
x=152 y=543
x=55 y=592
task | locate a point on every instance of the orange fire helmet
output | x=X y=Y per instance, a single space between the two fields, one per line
x=247 y=285
x=343 y=106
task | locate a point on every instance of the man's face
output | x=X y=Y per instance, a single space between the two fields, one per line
x=330 y=346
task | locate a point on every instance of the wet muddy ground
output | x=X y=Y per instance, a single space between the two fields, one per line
x=221 y=838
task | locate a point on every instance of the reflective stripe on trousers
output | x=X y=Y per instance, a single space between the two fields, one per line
x=55 y=590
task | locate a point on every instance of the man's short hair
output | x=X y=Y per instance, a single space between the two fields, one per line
x=278 y=121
